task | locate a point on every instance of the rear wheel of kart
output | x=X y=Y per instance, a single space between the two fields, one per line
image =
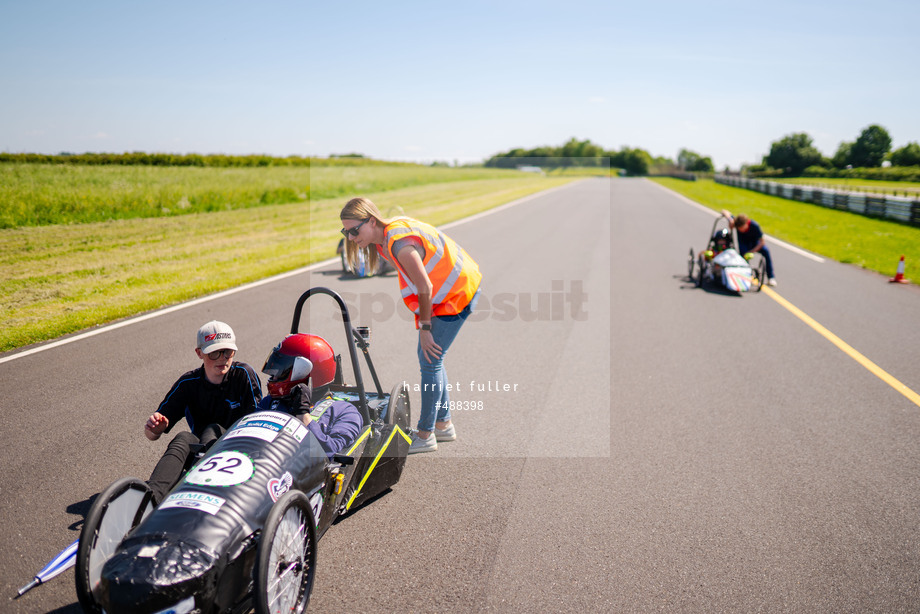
x=690 y=262
x=702 y=267
x=398 y=411
x=287 y=556
x=115 y=512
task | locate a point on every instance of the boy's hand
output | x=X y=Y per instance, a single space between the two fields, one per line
x=155 y=426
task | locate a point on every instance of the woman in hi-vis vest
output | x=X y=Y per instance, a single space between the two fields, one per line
x=439 y=282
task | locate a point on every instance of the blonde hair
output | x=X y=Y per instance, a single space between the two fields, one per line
x=360 y=209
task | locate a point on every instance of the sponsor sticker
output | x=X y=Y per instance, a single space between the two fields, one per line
x=200 y=501
x=183 y=607
x=262 y=425
x=296 y=429
x=227 y=468
x=279 y=486
x=301 y=432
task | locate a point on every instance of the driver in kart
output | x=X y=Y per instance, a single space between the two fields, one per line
x=210 y=398
x=300 y=369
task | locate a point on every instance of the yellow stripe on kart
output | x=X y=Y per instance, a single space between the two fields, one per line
x=367 y=432
x=374 y=464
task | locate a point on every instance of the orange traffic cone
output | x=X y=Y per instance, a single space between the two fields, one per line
x=899 y=276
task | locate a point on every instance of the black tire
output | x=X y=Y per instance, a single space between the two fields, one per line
x=690 y=263
x=762 y=273
x=346 y=268
x=699 y=278
x=286 y=563
x=115 y=512
x=398 y=410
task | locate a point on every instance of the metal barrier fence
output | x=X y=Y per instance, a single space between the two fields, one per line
x=891 y=207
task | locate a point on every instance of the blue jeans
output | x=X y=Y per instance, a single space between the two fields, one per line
x=765 y=251
x=435 y=397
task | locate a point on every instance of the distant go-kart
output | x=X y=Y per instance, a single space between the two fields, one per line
x=721 y=264
x=362 y=269
x=240 y=529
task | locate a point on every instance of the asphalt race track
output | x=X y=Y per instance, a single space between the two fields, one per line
x=627 y=441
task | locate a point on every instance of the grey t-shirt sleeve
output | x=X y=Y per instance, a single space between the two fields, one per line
x=415 y=242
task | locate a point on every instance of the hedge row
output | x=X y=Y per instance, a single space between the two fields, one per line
x=891 y=173
x=165 y=159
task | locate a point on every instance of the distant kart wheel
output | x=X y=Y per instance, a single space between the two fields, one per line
x=341 y=251
x=690 y=263
x=115 y=512
x=398 y=411
x=701 y=272
x=286 y=562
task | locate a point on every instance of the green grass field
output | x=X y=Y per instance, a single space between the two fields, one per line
x=41 y=194
x=846 y=237
x=57 y=279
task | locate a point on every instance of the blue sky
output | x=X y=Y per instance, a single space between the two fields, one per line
x=454 y=81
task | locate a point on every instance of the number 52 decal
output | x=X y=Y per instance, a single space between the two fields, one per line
x=224 y=469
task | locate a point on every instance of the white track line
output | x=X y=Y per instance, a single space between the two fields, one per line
x=793 y=248
x=249 y=286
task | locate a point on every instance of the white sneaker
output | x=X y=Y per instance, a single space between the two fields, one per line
x=448 y=434
x=771 y=281
x=423 y=445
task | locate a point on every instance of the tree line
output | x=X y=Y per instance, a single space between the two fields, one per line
x=635 y=161
x=869 y=157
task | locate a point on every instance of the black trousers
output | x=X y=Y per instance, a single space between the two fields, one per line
x=180 y=455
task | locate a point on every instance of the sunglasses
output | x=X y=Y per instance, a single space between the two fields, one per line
x=226 y=353
x=353 y=231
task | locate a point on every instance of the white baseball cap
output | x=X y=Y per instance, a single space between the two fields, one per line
x=215 y=336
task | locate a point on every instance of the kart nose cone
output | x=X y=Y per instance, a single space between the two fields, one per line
x=153 y=576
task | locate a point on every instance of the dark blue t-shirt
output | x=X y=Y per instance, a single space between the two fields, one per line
x=748 y=240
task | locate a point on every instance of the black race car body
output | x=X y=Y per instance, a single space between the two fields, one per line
x=240 y=529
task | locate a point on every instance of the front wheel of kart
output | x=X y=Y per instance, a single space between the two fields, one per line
x=287 y=556
x=690 y=262
x=115 y=512
x=761 y=273
x=398 y=411
x=702 y=268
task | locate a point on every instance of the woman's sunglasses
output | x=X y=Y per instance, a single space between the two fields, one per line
x=354 y=230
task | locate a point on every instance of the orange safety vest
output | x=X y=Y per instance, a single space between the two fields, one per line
x=453 y=273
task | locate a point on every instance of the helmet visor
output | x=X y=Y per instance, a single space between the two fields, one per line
x=282 y=367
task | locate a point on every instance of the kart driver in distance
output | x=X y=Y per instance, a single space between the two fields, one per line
x=300 y=369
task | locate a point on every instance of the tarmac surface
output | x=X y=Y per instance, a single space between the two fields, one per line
x=627 y=442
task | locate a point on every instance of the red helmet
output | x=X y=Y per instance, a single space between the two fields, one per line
x=295 y=360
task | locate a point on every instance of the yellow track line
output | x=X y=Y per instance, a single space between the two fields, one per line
x=847 y=349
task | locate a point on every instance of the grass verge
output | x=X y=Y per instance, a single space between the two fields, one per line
x=59 y=279
x=846 y=237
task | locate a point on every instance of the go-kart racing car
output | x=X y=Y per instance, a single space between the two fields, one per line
x=721 y=263
x=240 y=530
x=362 y=269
